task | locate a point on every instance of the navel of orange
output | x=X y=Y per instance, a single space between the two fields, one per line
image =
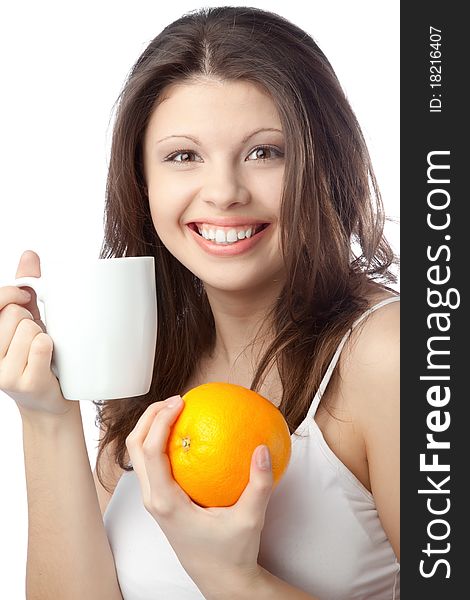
x=211 y=443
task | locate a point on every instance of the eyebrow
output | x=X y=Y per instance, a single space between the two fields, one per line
x=196 y=141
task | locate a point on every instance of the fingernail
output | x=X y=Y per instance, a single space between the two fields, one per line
x=173 y=401
x=264 y=458
x=26 y=295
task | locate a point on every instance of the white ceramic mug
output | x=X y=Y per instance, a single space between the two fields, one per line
x=102 y=317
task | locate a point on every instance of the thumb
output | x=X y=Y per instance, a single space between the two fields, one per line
x=30 y=266
x=255 y=497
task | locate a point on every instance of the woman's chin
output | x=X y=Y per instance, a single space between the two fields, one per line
x=243 y=285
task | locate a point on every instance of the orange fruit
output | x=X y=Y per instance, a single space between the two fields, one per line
x=211 y=443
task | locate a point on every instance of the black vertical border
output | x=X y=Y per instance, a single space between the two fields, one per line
x=422 y=132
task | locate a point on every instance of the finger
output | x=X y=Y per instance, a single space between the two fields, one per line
x=10 y=317
x=16 y=357
x=30 y=266
x=134 y=443
x=39 y=358
x=254 y=500
x=154 y=448
x=135 y=440
x=12 y=294
x=142 y=427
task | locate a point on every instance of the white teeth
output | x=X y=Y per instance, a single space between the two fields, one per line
x=232 y=235
x=221 y=236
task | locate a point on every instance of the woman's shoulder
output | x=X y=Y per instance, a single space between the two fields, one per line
x=382 y=320
x=373 y=343
x=364 y=381
x=370 y=361
x=370 y=388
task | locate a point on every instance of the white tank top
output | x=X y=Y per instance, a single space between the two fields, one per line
x=322 y=532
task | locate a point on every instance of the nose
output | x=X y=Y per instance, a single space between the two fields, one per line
x=223 y=188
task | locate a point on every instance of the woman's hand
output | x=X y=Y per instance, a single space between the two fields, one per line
x=26 y=350
x=216 y=546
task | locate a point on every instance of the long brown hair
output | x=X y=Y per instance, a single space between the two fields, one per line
x=330 y=205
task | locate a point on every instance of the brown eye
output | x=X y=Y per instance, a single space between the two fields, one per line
x=183 y=154
x=265 y=153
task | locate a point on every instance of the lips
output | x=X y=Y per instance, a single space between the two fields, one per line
x=228 y=249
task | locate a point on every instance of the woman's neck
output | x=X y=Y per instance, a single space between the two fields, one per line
x=239 y=317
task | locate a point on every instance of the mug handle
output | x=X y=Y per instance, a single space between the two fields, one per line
x=37 y=284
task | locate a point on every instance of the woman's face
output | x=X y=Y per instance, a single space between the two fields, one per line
x=214 y=166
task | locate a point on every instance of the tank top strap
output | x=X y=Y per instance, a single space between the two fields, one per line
x=327 y=376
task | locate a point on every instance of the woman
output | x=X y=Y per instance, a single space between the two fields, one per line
x=237 y=162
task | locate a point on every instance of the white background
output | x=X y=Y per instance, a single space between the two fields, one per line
x=62 y=68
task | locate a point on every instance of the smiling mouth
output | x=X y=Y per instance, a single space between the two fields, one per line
x=222 y=240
